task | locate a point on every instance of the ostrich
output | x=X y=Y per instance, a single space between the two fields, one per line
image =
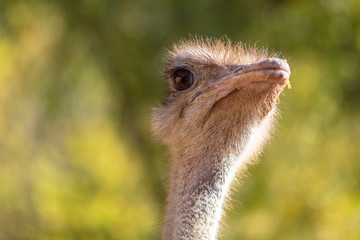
x=217 y=116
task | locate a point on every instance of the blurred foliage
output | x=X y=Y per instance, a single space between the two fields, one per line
x=77 y=83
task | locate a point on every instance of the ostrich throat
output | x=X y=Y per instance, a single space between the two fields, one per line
x=199 y=188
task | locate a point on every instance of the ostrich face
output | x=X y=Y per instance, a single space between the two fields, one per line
x=216 y=89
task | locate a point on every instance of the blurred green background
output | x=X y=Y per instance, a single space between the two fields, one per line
x=77 y=83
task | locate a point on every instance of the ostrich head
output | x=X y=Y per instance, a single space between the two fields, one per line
x=216 y=87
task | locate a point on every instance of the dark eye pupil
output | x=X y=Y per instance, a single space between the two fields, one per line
x=183 y=79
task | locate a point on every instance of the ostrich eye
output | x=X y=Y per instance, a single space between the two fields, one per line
x=183 y=79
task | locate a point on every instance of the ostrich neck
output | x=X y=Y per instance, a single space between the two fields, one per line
x=196 y=198
x=198 y=189
x=199 y=185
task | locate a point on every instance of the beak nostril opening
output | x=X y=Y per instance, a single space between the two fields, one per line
x=239 y=69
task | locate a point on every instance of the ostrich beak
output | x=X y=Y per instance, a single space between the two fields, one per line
x=272 y=71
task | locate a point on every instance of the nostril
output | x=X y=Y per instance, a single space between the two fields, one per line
x=239 y=69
